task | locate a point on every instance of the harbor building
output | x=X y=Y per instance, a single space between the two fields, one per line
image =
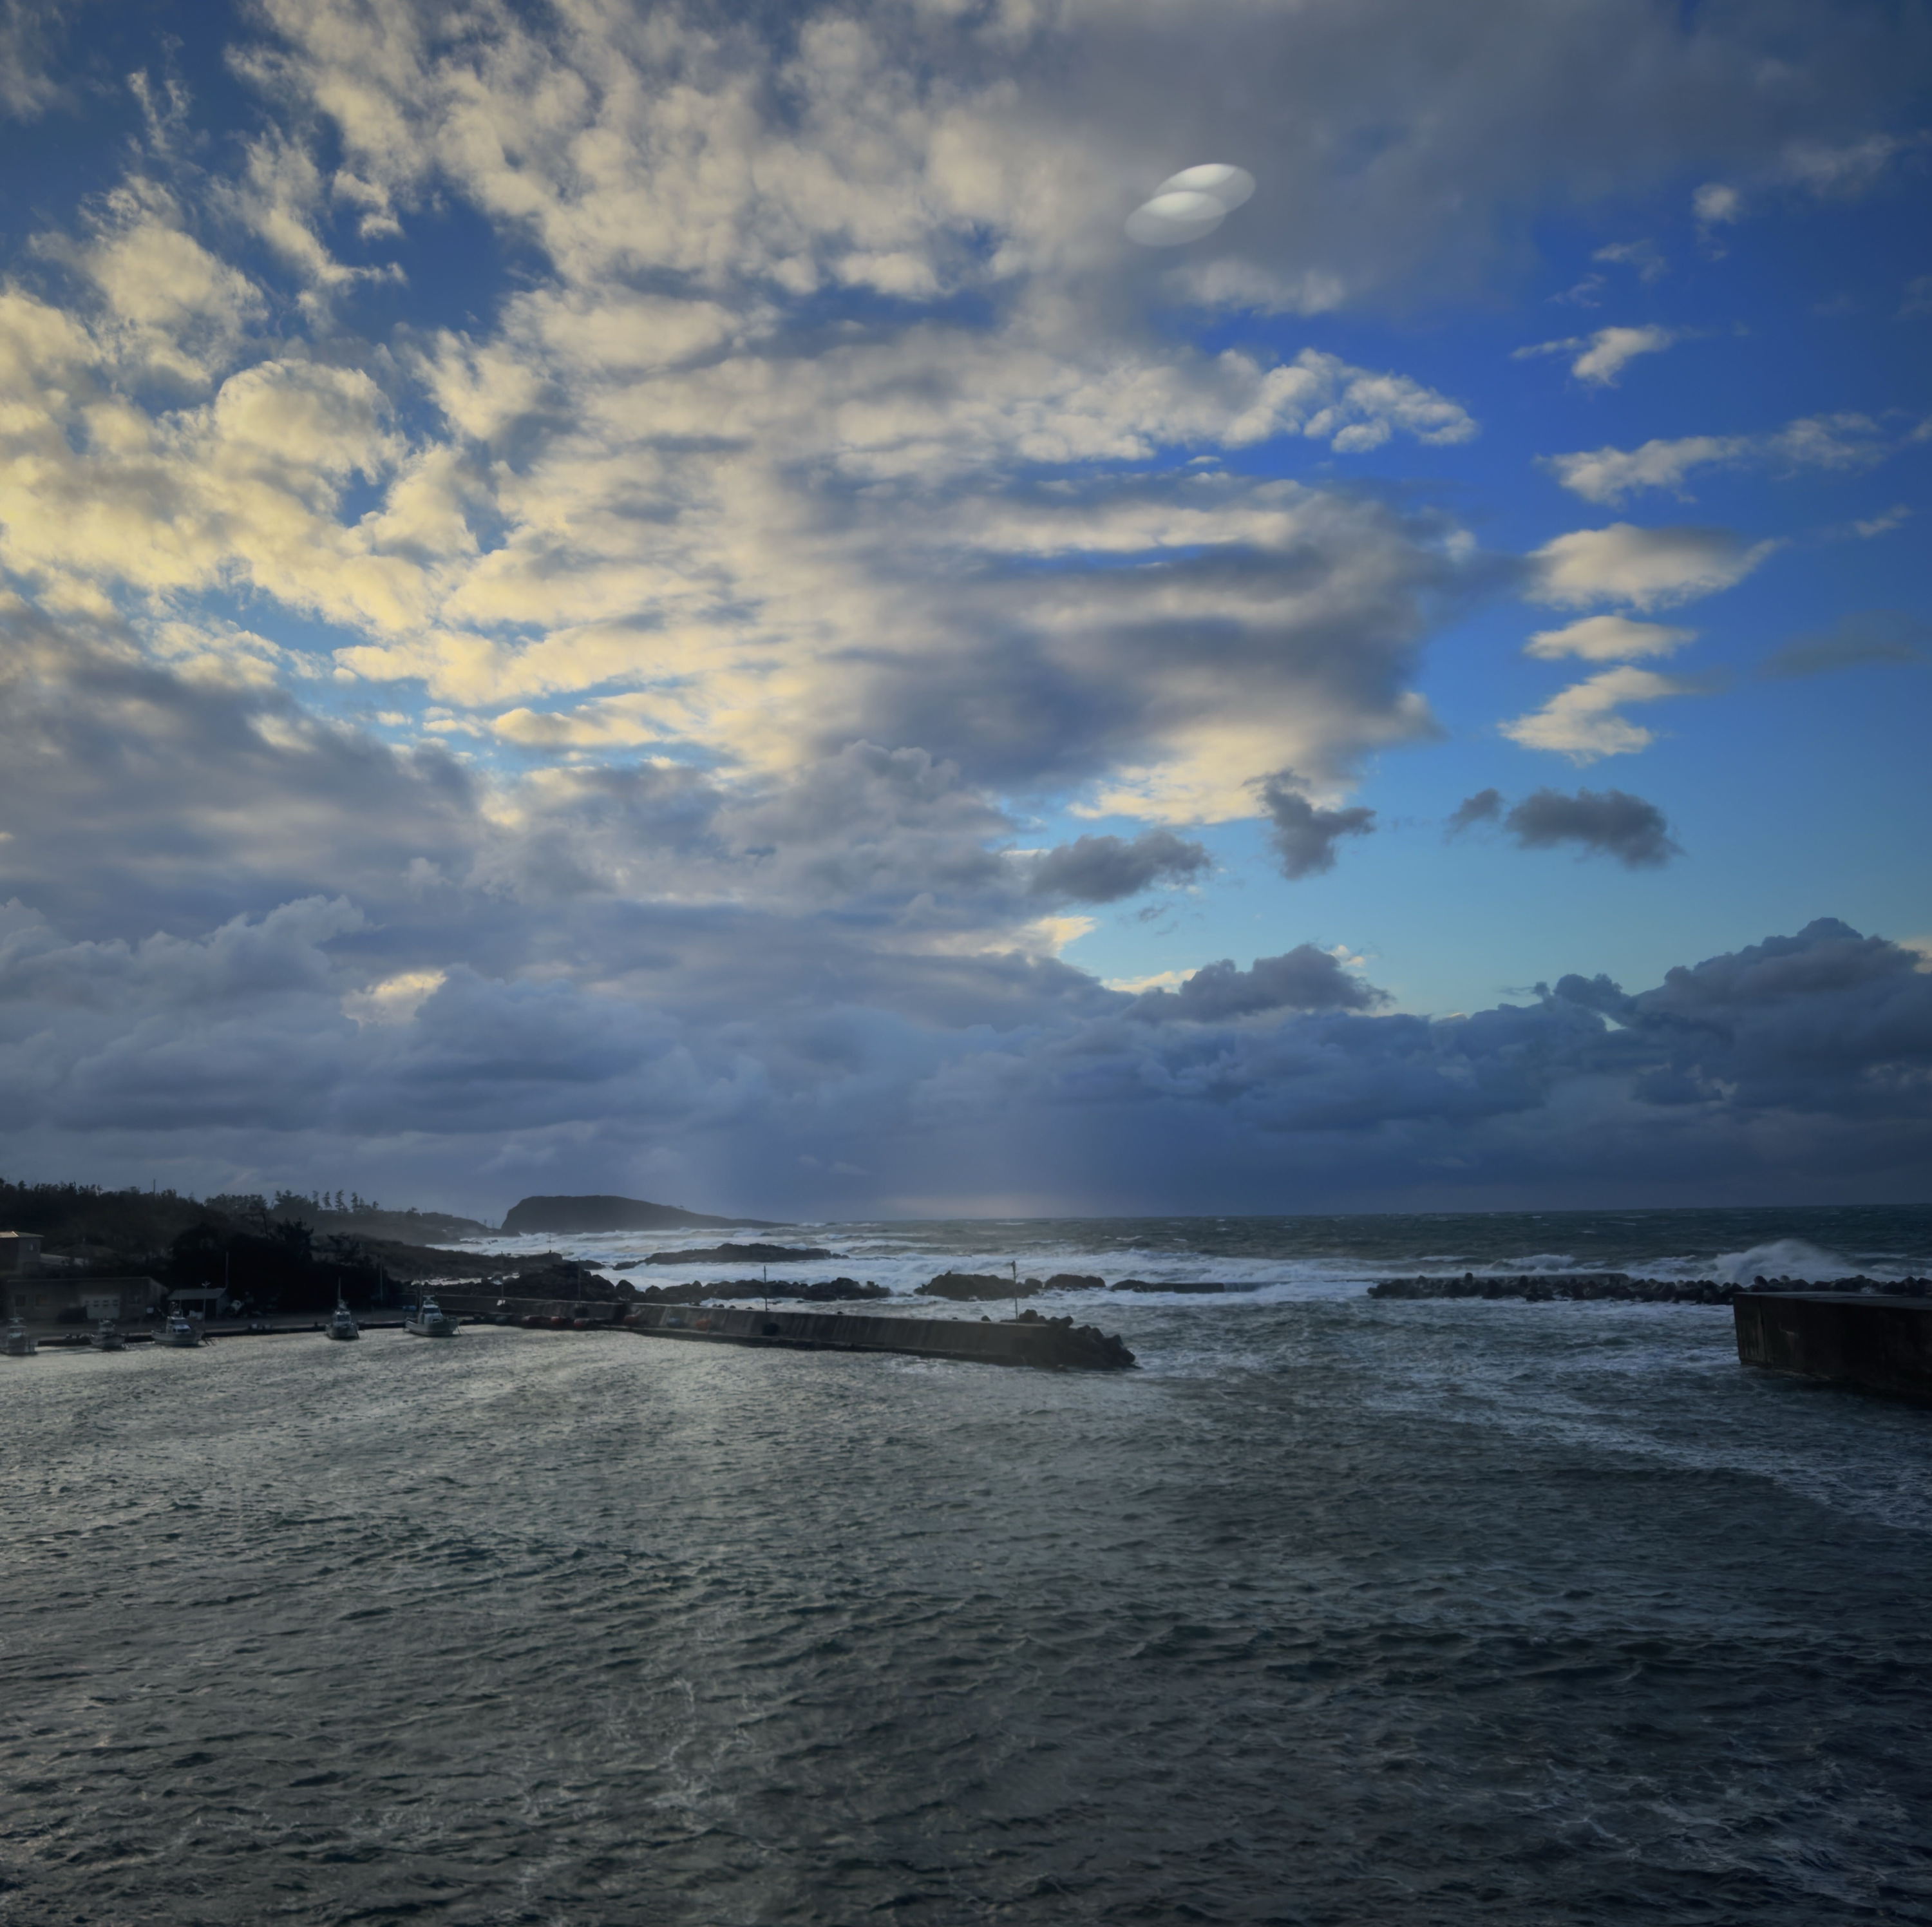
x=41 y=1300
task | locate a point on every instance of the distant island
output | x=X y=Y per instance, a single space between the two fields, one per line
x=549 y=1214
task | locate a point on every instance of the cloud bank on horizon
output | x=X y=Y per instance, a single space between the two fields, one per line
x=673 y=599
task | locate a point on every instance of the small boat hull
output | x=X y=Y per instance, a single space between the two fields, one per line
x=21 y=1343
x=429 y=1320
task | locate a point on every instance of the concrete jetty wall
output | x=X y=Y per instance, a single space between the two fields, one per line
x=1055 y=1343
x=1050 y=1343
x=1878 y=1344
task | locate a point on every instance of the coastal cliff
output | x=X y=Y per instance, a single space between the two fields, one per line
x=608 y=1213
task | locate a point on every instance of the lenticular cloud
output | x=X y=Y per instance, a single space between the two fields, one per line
x=1189 y=205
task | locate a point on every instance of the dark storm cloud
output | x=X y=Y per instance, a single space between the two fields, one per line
x=1303 y=978
x=1827 y=1023
x=136 y=798
x=1805 y=1060
x=1103 y=870
x=1608 y=823
x=1869 y=635
x=1303 y=837
x=1485 y=806
x=1801 y=1062
x=1485 y=113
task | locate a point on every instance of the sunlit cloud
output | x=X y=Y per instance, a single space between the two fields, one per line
x=1644 y=568
x=709 y=541
x=1843 y=442
x=1608 y=639
x=1583 y=722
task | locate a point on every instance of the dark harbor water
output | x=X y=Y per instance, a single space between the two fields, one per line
x=1337 y=1611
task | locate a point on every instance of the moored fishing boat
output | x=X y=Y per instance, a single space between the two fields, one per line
x=21 y=1343
x=179 y=1330
x=108 y=1337
x=429 y=1320
x=342 y=1323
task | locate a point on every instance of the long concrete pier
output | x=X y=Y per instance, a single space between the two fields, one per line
x=1053 y=1343
x=1877 y=1344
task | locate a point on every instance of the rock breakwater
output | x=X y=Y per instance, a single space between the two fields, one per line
x=1571 y=1286
x=742 y=1254
x=977 y=1287
x=817 y=1291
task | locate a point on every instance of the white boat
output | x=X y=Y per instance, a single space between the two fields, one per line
x=107 y=1337
x=180 y=1330
x=429 y=1320
x=21 y=1343
x=343 y=1323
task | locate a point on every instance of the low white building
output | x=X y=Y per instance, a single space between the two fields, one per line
x=199 y=1301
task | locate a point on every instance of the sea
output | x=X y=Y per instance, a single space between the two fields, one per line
x=1336 y=1610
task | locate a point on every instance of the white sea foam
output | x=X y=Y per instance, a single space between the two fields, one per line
x=1783 y=1258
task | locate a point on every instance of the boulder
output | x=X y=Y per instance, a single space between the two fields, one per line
x=973 y=1286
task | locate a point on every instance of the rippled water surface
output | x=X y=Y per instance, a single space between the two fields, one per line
x=1337 y=1611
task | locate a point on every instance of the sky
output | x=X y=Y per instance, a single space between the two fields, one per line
x=756 y=606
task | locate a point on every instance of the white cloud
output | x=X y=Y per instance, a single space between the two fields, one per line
x=1582 y=721
x=165 y=307
x=1716 y=204
x=1843 y=170
x=1602 y=357
x=1234 y=284
x=1320 y=397
x=1608 y=639
x=1641 y=256
x=1841 y=442
x=1884 y=522
x=679 y=488
x=1644 y=568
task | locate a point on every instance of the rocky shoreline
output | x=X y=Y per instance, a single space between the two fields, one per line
x=1540 y=1287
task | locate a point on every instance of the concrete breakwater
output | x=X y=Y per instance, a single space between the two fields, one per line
x=990 y=1287
x=1029 y=1340
x=1877 y=1343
